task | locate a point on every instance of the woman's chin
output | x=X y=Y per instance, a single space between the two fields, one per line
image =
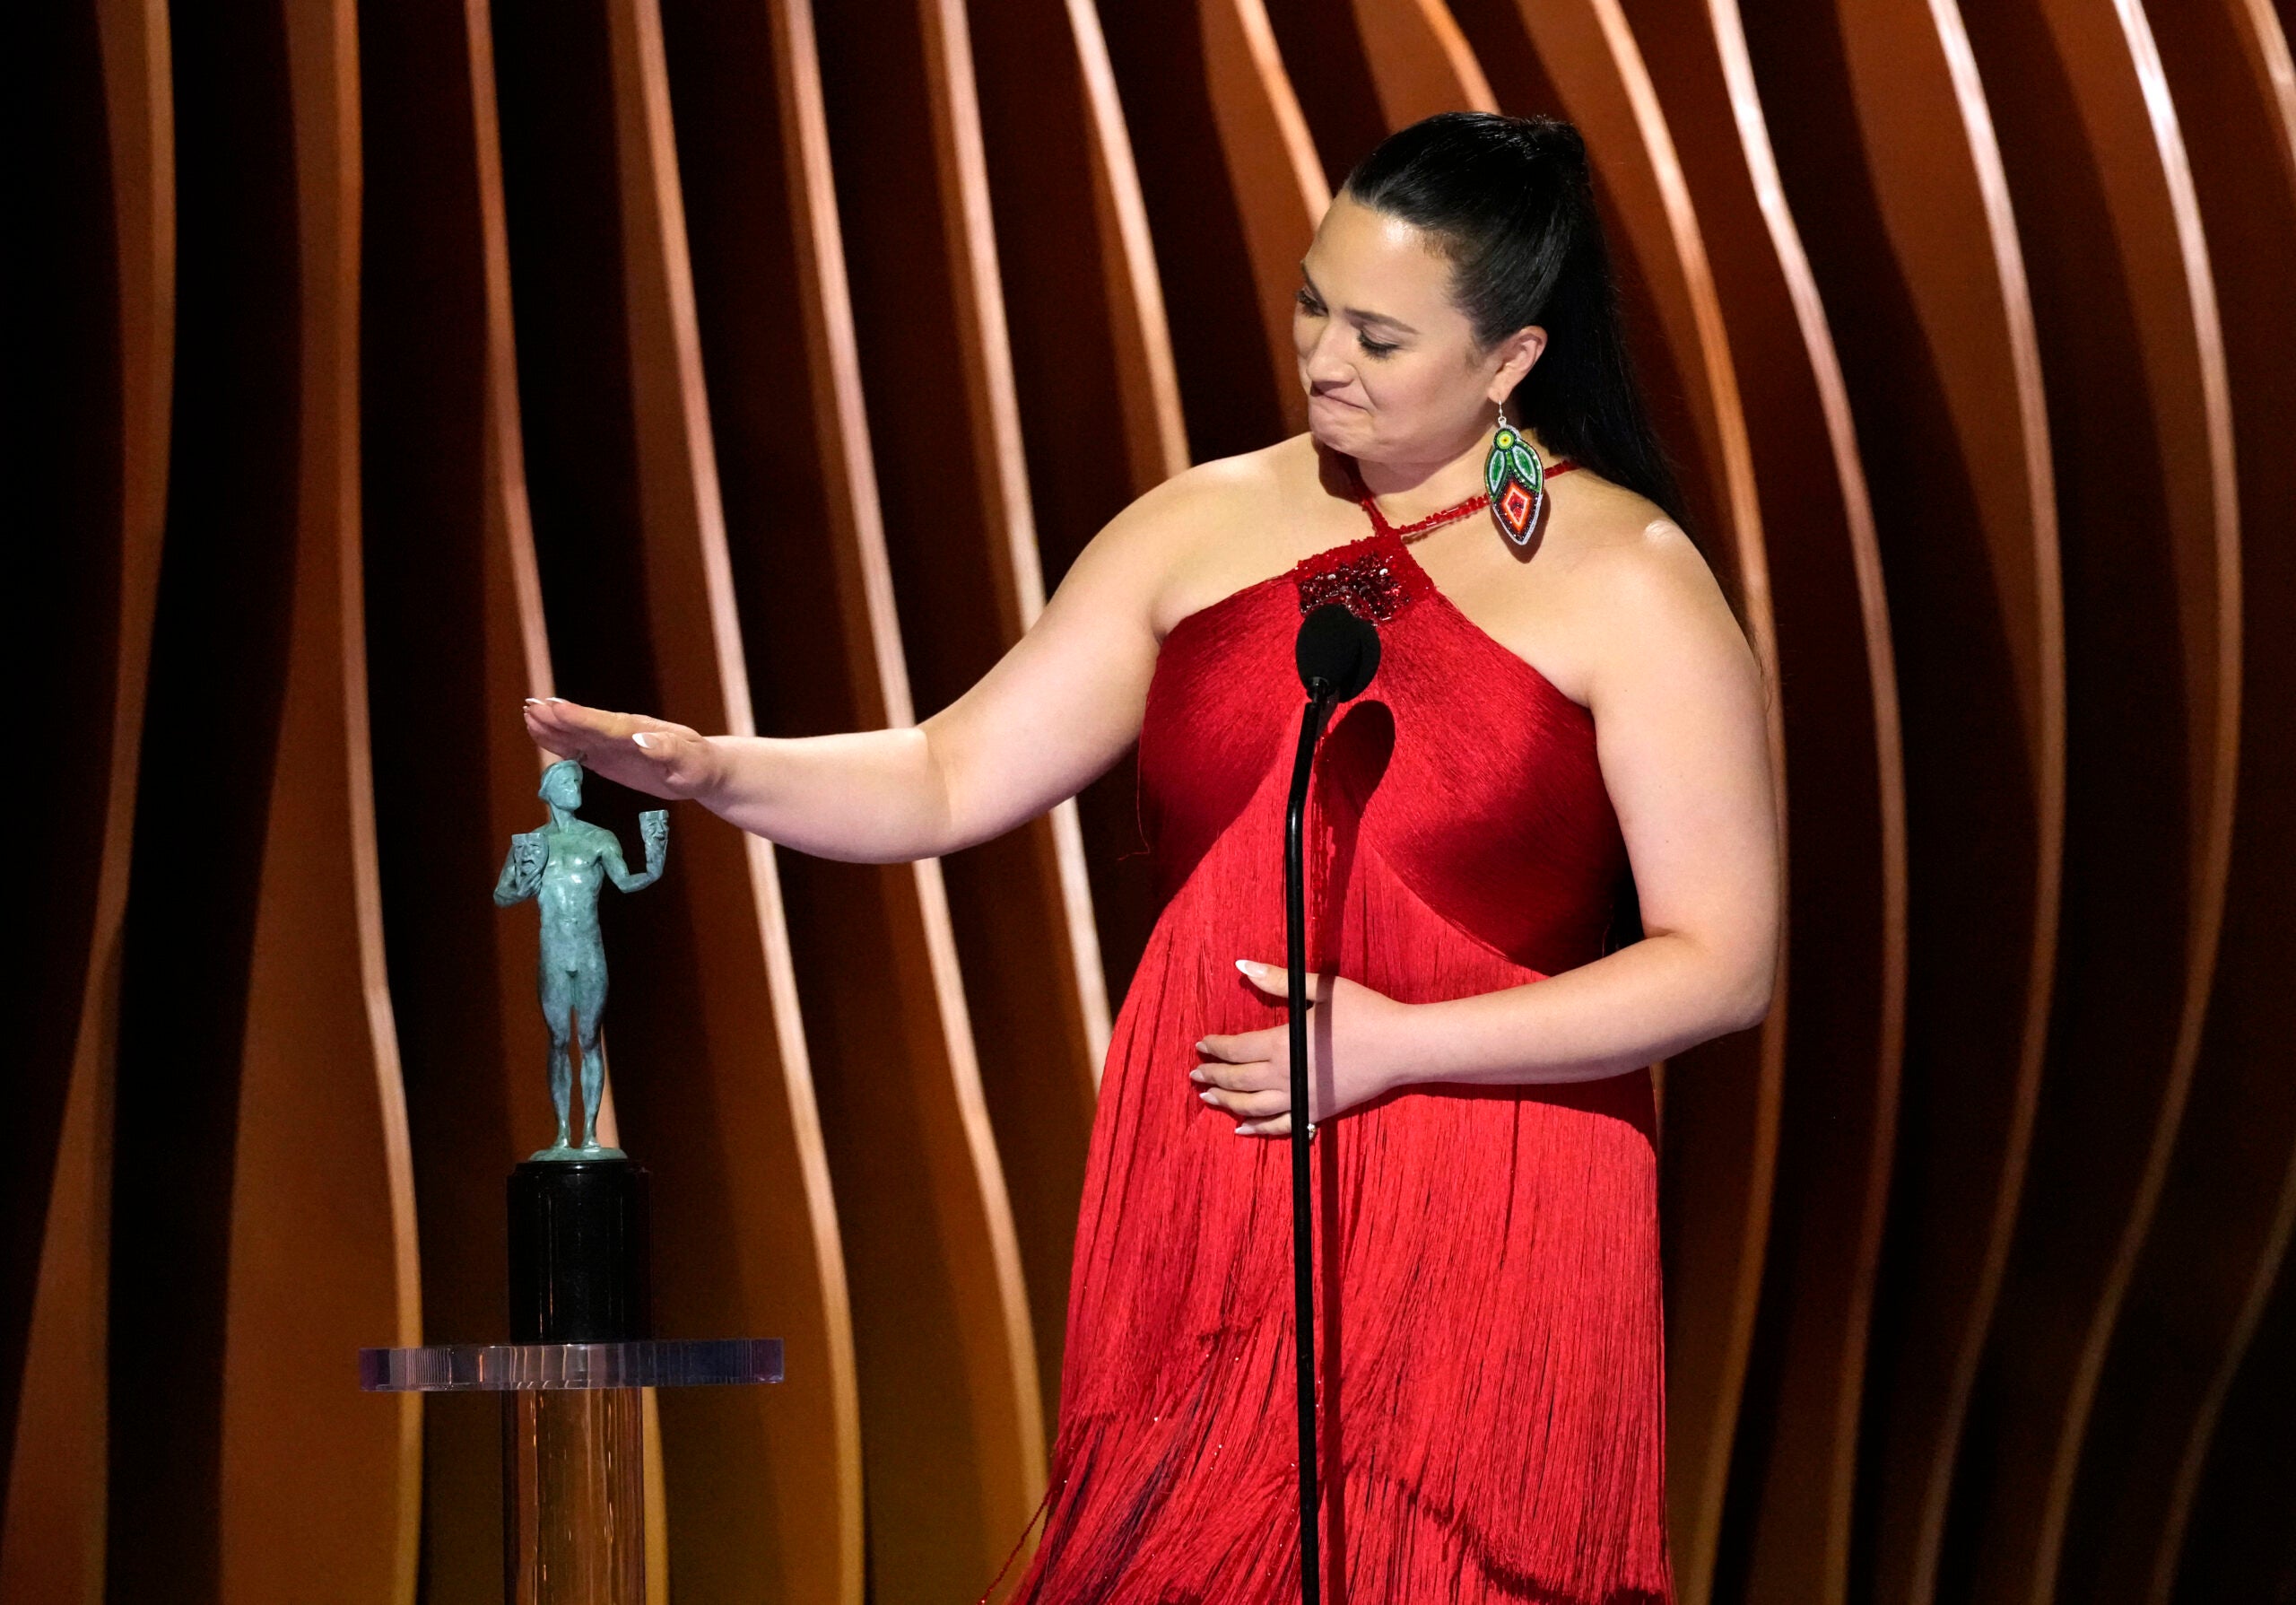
x=1335 y=424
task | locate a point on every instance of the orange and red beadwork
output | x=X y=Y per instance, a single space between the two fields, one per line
x=1515 y=481
x=1517 y=489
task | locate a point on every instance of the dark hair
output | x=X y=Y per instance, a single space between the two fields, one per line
x=1509 y=201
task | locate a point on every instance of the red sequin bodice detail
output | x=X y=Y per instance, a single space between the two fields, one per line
x=1488 y=794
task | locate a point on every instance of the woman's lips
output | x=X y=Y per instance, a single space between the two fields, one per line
x=1334 y=400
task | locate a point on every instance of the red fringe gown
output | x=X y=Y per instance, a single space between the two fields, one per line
x=1488 y=1316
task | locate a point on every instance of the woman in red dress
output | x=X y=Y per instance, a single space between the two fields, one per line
x=1562 y=695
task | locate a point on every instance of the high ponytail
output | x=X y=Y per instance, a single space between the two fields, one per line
x=1510 y=202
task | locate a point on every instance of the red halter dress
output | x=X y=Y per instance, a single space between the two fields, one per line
x=1493 y=1380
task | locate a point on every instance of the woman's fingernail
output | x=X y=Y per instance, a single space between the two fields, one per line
x=1196 y=1075
x=1246 y=965
x=641 y=739
x=533 y=702
x=1200 y=1048
x=1243 y=1131
x=1206 y=1095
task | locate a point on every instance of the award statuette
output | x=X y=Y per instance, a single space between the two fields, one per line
x=563 y=866
x=581 y=1301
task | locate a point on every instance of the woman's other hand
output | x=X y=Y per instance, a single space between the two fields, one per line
x=646 y=755
x=1356 y=1050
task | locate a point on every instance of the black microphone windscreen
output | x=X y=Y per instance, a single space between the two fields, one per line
x=1339 y=649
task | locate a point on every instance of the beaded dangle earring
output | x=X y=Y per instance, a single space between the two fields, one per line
x=1517 y=481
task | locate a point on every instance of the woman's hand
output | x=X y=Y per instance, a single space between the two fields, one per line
x=1356 y=1050
x=646 y=755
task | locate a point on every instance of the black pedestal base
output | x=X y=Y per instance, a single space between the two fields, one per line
x=580 y=1264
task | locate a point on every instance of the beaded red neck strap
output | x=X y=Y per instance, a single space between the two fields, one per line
x=1440 y=516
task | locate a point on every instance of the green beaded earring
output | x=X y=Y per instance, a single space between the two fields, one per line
x=1516 y=480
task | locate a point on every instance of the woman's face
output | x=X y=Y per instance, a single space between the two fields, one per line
x=1388 y=363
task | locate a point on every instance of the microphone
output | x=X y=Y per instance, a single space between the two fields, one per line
x=1337 y=648
x=1337 y=654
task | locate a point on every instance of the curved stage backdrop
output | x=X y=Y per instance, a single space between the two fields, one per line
x=764 y=366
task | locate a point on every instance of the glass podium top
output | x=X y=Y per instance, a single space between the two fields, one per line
x=500 y=1367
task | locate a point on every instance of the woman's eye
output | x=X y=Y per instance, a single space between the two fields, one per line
x=1308 y=303
x=1374 y=348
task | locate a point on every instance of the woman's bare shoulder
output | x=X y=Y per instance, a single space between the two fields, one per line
x=1635 y=586
x=1620 y=549
x=1198 y=534
x=1224 y=493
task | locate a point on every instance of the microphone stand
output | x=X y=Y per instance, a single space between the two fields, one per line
x=1321 y=693
x=1338 y=653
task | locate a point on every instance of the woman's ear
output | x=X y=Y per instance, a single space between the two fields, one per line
x=1522 y=349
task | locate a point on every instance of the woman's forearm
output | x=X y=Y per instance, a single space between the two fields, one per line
x=873 y=797
x=1627 y=1009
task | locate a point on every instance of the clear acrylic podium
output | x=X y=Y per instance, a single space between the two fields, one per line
x=573 y=1445
x=572 y=1383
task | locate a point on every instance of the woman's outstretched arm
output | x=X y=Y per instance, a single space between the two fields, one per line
x=1053 y=713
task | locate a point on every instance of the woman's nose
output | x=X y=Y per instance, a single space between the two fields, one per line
x=1325 y=361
